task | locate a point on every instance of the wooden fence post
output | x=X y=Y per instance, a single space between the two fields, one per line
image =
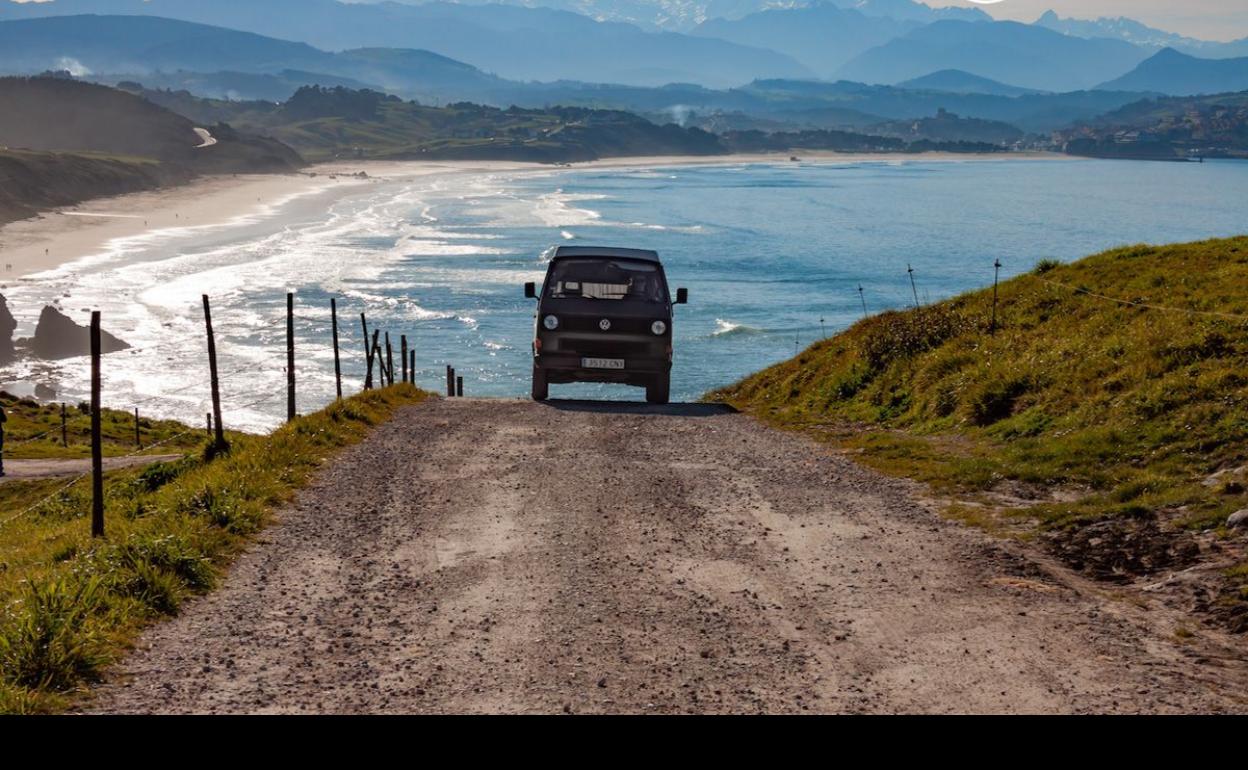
x=290 y=356
x=218 y=428
x=389 y=362
x=450 y=382
x=138 y=438
x=403 y=355
x=97 y=448
x=333 y=312
x=368 y=354
x=377 y=360
x=412 y=366
x=459 y=387
x=996 y=278
x=208 y=422
x=64 y=429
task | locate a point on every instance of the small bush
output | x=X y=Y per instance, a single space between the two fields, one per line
x=48 y=640
x=894 y=336
x=157 y=475
x=1045 y=265
x=994 y=400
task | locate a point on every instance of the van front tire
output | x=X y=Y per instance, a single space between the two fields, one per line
x=659 y=389
x=541 y=390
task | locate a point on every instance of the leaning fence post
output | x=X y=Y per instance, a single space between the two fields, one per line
x=218 y=442
x=389 y=361
x=381 y=367
x=97 y=449
x=290 y=356
x=862 y=296
x=368 y=354
x=913 y=286
x=333 y=312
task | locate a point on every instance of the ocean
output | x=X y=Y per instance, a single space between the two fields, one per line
x=773 y=256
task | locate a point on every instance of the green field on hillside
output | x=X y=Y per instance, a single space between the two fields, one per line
x=71 y=603
x=1107 y=416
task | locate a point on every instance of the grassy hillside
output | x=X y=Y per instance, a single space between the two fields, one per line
x=63 y=115
x=63 y=142
x=338 y=122
x=33 y=431
x=1211 y=126
x=32 y=181
x=70 y=604
x=1107 y=417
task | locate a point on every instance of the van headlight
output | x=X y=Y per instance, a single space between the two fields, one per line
x=550 y=322
x=659 y=328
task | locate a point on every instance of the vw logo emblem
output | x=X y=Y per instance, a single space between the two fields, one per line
x=605 y=324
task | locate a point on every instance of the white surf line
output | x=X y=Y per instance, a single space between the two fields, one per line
x=209 y=139
x=99 y=214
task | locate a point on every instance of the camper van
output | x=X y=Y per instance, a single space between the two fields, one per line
x=604 y=315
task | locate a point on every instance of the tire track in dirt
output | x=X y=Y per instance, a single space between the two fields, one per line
x=507 y=556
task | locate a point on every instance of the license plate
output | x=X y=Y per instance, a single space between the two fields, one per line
x=602 y=363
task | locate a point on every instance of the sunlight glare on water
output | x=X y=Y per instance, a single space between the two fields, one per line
x=765 y=250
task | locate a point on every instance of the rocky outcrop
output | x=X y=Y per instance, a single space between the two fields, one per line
x=8 y=353
x=57 y=336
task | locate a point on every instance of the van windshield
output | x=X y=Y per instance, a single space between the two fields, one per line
x=618 y=279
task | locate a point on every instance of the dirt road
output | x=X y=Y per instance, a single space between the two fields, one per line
x=505 y=556
x=25 y=470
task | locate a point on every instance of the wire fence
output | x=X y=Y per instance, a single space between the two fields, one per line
x=379 y=369
x=379 y=360
x=1145 y=305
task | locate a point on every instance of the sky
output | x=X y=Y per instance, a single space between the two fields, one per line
x=1206 y=19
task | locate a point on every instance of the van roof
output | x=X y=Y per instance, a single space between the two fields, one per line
x=604 y=251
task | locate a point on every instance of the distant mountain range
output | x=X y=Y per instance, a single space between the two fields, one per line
x=518 y=42
x=1132 y=31
x=210 y=61
x=908 y=10
x=823 y=37
x=219 y=61
x=720 y=43
x=1019 y=54
x=685 y=15
x=1177 y=74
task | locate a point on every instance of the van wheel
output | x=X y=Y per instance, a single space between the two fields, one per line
x=541 y=391
x=657 y=390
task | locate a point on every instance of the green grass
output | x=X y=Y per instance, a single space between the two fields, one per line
x=70 y=604
x=1123 y=409
x=33 y=432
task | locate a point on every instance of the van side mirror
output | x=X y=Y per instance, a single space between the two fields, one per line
x=530 y=290
x=682 y=296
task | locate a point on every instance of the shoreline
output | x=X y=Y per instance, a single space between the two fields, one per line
x=61 y=236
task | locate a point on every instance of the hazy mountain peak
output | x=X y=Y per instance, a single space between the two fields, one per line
x=1020 y=54
x=911 y=10
x=1179 y=74
x=960 y=82
x=1138 y=33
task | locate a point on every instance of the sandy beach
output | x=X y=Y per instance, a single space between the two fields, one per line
x=60 y=236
